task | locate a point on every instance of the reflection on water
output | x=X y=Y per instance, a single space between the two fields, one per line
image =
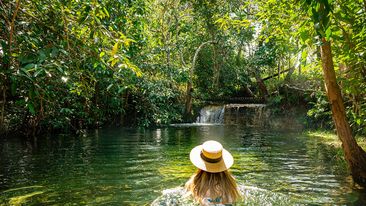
x=134 y=166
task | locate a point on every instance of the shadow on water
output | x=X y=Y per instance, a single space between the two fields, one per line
x=134 y=166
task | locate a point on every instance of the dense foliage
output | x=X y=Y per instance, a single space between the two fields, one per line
x=71 y=65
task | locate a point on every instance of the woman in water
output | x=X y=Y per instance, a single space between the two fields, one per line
x=212 y=184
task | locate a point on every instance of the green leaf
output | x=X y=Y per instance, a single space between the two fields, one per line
x=26 y=72
x=95 y=65
x=42 y=56
x=106 y=12
x=328 y=33
x=114 y=61
x=13 y=87
x=304 y=35
x=39 y=71
x=110 y=86
x=25 y=59
x=29 y=66
x=115 y=48
x=304 y=55
x=31 y=108
x=59 y=68
x=54 y=52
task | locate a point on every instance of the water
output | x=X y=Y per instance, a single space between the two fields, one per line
x=250 y=115
x=134 y=166
x=211 y=114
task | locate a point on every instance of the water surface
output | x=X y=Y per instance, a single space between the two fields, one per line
x=133 y=166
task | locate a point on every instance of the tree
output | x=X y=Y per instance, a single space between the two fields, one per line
x=354 y=154
x=325 y=20
x=7 y=24
x=188 y=105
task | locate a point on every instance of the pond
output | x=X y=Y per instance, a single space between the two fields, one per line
x=133 y=166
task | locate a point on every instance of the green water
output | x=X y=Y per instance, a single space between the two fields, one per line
x=133 y=166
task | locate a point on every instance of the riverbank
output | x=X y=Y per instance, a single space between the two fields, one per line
x=332 y=139
x=329 y=142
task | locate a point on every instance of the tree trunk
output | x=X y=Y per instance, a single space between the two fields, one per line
x=3 y=102
x=354 y=155
x=275 y=75
x=7 y=64
x=262 y=87
x=363 y=72
x=125 y=98
x=289 y=74
x=248 y=91
x=11 y=33
x=216 y=69
x=300 y=68
x=188 y=105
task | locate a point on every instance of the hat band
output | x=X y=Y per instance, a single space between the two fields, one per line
x=209 y=159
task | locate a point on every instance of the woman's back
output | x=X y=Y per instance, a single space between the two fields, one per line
x=213 y=188
x=212 y=184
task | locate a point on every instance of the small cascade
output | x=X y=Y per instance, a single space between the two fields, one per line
x=211 y=114
x=243 y=114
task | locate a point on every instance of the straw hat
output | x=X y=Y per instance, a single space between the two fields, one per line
x=211 y=157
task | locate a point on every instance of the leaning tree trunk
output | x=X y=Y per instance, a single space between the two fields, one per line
x=262 y=87
x=354 y=155
x=188 y=105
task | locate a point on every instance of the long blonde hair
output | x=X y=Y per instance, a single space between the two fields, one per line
x=221 y=184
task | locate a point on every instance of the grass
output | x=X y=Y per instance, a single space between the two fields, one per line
x=330 y=141
x=330 y=138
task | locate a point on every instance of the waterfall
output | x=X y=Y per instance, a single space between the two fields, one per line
x=211 y=114
x=243 y=114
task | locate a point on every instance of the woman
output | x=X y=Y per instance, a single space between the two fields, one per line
x=212 y=184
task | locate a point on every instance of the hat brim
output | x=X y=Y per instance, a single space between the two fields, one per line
x=225 y=163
